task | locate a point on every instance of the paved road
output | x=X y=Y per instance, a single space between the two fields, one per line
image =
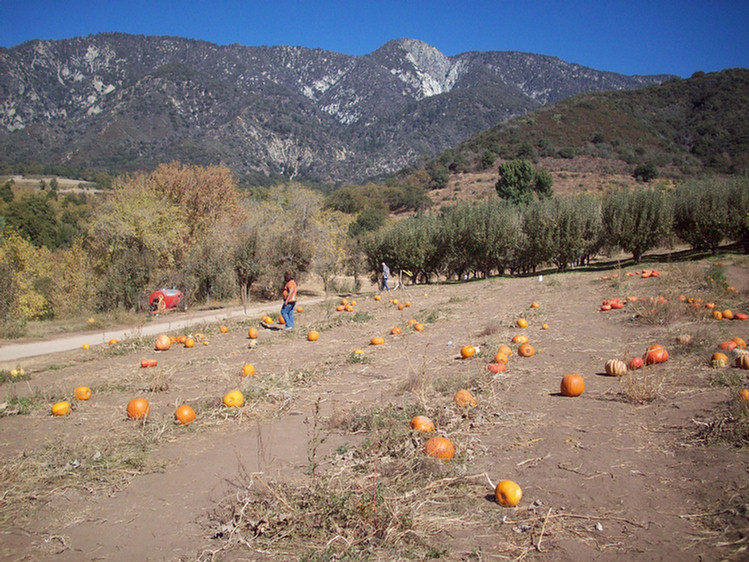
x=166 y=323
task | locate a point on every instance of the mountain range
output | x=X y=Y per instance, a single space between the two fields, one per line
x=119 y=102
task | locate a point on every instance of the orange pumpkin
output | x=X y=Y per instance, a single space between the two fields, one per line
x=299 y=309
x=422 y=423
x=572 y=385
x=467 y=351
x=495 y=368
x=395 y=331
x=181 y=339
x=313 y=335
x=82 y=393
x=727 y=314
x=535 y=305
x=419 y=327
x=740 y=343
x=501 y=358
x=440 y=447
x=163 y=343
x=719 y=360
x=635 y=363
x=401 y=306
x=508 y=493
x=184 y=414
x=544 y=326
x=526 y=350
x=744 y=394
x=252 y=333
x=377 y=340
x=233 y=399
x=86 y=346
x=138 y=408
x=281 y=320
x=504 y=350
x=189 y=342
x=340 y=307
x=412 y=321
x=655 y=354
x=522 y=323
x=520 y=338
x=248 y=370
x=728 y=345
x=349 y=308
x=377 y=298
x=223 y=329
x=61 y=409
x=113 y=341
x=464 y=399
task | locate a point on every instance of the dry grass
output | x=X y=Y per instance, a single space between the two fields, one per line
x=641 y=386
x=381 y=498
x=33 y=479
x=729 y=425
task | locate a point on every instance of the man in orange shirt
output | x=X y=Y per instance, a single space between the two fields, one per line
x=289 y=300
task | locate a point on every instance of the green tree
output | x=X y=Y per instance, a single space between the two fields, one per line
x=6 y=191
x=576 y=222
x=519 y=182
x=702 y=216
x=539 y=230
x=646 y=172
x=487 y=159
x=370 y=219
x=636 y=221
x=247 y=258
x=738 y=205
x=208 y=267
x=34 y=218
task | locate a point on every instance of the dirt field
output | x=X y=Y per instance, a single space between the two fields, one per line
x=319 y=464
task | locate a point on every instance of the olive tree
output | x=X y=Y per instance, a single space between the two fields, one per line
x=636 y=221
x=702 y=217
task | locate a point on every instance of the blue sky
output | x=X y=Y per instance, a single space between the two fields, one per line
x=630 y=37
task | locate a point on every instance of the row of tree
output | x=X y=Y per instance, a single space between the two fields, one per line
x=496 y=236
x=192 y=228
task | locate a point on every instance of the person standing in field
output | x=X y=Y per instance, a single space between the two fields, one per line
x=289 y=300
x=385 y=275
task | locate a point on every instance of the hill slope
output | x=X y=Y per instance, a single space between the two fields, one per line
x=683 y=125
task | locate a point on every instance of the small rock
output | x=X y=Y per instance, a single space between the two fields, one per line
x=599 y=527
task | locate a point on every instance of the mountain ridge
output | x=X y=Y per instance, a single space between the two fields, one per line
x=122 y=102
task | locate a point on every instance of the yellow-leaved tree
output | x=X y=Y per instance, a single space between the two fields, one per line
x=23 y=265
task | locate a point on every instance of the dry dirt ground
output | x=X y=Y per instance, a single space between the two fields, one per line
x=319 y=464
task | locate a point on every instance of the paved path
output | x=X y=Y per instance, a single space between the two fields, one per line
x=166 y=323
